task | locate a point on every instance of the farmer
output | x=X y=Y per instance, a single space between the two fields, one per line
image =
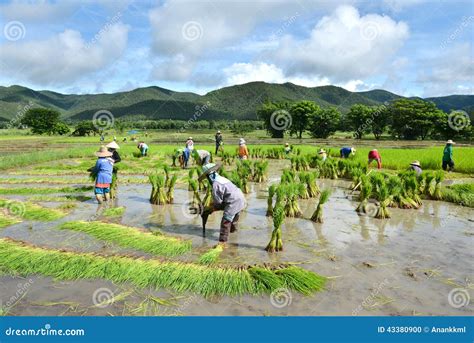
x=113 y=147
x=178 y=155
x=143 y=147
x=243 y=151
x=287 y=149
x=323 y=154
x=448 y=156
x=227 y=197
x=415 y=165
x=375 y=156
x=103 y=171
x=219 y=141
x=190 y=144
x=202 y=157
x=347 y=151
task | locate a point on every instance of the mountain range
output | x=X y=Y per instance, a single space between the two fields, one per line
x=232 y=103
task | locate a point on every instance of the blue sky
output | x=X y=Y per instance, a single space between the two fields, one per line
x=410 y=47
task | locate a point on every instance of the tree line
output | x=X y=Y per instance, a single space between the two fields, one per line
x=402 y=118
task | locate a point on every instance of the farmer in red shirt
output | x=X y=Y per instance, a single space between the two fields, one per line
x=375 y=156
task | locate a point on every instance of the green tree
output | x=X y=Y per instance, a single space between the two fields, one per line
x=380 y=119
x=276 y=118
x=414 y=118
x=359 y=118
x=300 y=114
x=85 y=128
x=61 y=128
x=325 y=122
x=41 y=120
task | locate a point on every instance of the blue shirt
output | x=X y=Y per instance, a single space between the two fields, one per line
x=346 y=151
x=103 y=168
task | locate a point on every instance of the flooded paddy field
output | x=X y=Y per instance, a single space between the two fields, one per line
x=406 y=265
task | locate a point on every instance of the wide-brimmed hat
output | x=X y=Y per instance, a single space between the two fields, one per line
x=208 y=169
x=218 y=131
x=353 y=149
x=241 y=141
x=103 y=152
x=113 y=145
x=286 y=144
x=321 y=151
x=416 y=163
x=449 y=141
x=190 y=138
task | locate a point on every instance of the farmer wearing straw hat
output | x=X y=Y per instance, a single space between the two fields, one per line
x=227 y=197
x=219 y=141
x=187 y=151
x=374 y=155
x=323 y=154
x=415 y=165
x=243 y=151
x=287 y=148
x=113 y=147
x=347 y=151
x=448 y=156
x=103 y=171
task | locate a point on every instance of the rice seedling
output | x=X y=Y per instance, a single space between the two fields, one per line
x=166 y=170
x=181 y=277
x=29 y=211
x=310 y=180
x=430 y=184
x=365 y=194
x=304 y=194
x=211 y=256
x=276 y=243
x=190 y=179
x=194 y=187
x=43 y=190
x=131 y=237
x=114 y=211
x=158 y=193
x=291 y=192
x=462 y=194
x=271 y=194
x=299 y=163
x=287 y=176
x=439 y=177
x=66 y=198
x=260 y=171
x=170 y=190
x=317 y=216
x=384 y=198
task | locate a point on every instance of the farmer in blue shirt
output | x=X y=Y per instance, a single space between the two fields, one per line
x=103 y=171
x=347 y=151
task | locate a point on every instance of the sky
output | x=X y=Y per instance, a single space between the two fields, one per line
x=409 y=47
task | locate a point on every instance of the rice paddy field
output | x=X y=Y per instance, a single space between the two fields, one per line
x=316 y=238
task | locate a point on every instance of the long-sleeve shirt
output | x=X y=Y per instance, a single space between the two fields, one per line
x=218 y=139
x=227 y=197
x=374 y=155
x=448 y=153
x=103 y=168
x=203 y=154
x=345 y=152
x=190 y=144
x=243 y=151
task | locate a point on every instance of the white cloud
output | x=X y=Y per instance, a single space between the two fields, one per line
x=343 y=46
x=449 y=73
x=63 y=58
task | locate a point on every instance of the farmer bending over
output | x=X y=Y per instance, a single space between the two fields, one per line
x=226 y=197
x=201 y=157
x=448 y=156
x=143 y=147
x=323 y=154
x=347 y=151
x=415 y=165
x=375 y=156
x=103 y=171
x=178 y=155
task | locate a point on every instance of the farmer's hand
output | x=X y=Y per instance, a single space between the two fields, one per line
x=207 y=210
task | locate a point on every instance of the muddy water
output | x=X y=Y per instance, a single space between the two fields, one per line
x=406 y=265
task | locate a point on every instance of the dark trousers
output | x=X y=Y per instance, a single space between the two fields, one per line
x=227 y=227
x=448 y=163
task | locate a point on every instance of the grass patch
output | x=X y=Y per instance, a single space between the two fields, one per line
x=29 y=211
x=6 y=220
x=67 y=198
x=178 y=276
x=114 y=211
x=462 y=194
x=130 y=237
x=45 y=190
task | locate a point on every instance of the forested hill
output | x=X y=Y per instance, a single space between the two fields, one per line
x=234 y=102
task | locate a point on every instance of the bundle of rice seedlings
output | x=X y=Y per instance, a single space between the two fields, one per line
x=207 y=202
x=211 y=256
x=410 y=184
x=166 y=170
x=311 y=185
x=114 y=184
x=170 y=191
x=365 y=194
x=18 y=257
x=291 y=192
x=397 y=197
x=240 y=177
x=439 y=177
x=271 y=194
x=244 y=169
x=158 y=193
x=318 y=213
x=190 y=178
x=260 y=171
x=303 y=178
x=276 y=243
x=131 y=237
x=114 y=211
x=356 y=175
x=299 y=163
x=287 y=176
x=30 y=211
x=193 y=184
x=384 y=198
x=430 y=184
